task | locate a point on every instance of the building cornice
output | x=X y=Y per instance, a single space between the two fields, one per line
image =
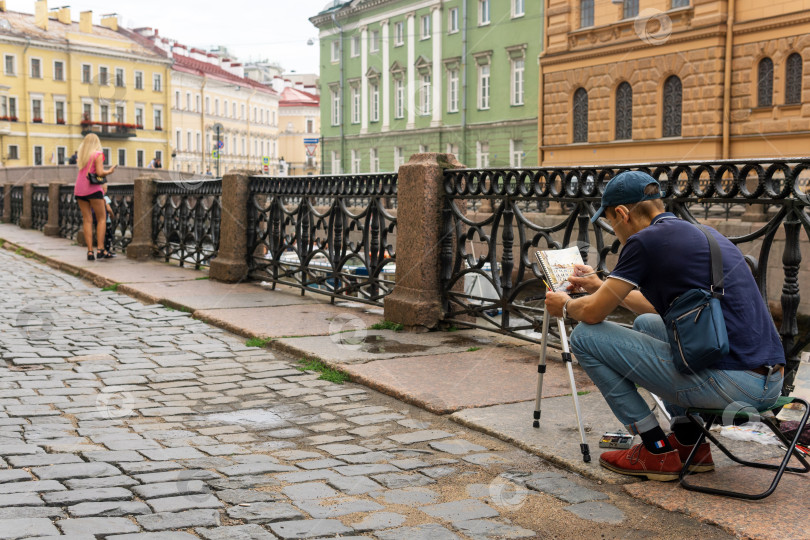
x=68 y=47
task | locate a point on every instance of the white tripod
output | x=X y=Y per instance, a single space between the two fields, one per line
x=541 y=369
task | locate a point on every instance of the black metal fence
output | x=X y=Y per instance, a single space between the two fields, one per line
x=121 y=201
x=500 y=287
x=16 y=204
x=325 y=234
x=2 y=200
x=39 y=207
x=70 y=217
x=186 y=220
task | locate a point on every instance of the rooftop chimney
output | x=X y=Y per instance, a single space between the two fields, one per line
x=110 y=21
x=41 y=14
x=63 y=16
x=86 y=22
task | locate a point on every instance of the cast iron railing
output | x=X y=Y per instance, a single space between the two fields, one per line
x=340 y=249
x=186 y=221
x=16 y=204
x=508 y=299
x=70 y=217
x=121 y=200
x=39 y=207
x=2 y=200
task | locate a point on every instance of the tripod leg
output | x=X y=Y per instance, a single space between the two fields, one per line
x=661 y=407
x=586 y=452
x=541 y=369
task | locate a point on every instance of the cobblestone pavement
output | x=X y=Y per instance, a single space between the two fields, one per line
x=131 y=421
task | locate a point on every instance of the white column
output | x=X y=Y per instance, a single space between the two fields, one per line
x=386 y=78
x=364 y=79
x=411 y=37
x=438 y=76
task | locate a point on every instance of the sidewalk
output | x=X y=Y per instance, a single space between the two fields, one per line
x=482 y=380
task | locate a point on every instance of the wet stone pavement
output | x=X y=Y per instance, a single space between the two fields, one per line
x=131 y=421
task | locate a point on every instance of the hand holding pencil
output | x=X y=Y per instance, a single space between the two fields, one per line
x=585 y=278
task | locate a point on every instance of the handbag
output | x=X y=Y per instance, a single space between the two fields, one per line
x=95 y=179
x=695 y=325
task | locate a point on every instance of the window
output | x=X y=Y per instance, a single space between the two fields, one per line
x=197 y=103
x=515 y=153
x=225 y=108
x=399 y=98
x=424 y=95
x=207 y=105
x=139 y=117
x=37 y=155
x=425 y=26
x=198 y=141
x=355 y=46
x=216 y=107
x=518 y=69
x=105 y=113
x=374 y=105
x=483 y=87
x=680 y=3
x=139 y=158
x=673 y=95
x=58 y=70
x=13 y=151
x=12 y=107
x=59 y=110
x=483 y=12
x=374 y=41
x=452 y=21
x=585 y=13
x=624 y=111
x=374 y=160
x=452 y=90
x=793 y=79
x=242 y=112
x=452 y=149
x=158 y=119
x=177 y=99
x=335 y=107
x=399 y=34
x=139 y=80
x=86 y=73
x=36 y=68
x=188 y=141
x=233 y=110
x=580 y=115
x=481 y=155
x=102 y=76
x=399 y=157
x=87 y=111
x=355 y=105
x=518 y=8
x=157 y=82
x=61 y=155
x=310 y=125
x=119 y=77
x=765 y=83
x=188 y=101
x=159 y=155
x=3 y=106
x=629 y=9
x=355 y=162
x=36 y=110
x=8 y=64
x=424 y=149
x=122 y=157
x=335 y=162
x=336 y=51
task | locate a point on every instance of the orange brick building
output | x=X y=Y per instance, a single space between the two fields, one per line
x=660 y=80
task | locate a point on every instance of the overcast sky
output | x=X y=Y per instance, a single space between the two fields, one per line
x=274 y=30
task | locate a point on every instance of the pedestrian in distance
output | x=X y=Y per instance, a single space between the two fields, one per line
x=73 y=159
x=662 y=258
x=90 y=197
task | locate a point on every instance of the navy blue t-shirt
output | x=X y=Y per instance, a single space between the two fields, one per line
x=672 y=256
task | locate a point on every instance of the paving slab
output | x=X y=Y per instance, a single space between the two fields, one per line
x=484 y=529
x=310 y=528
x=265 y=512
x=97 y=526
x=179 y=520
x=236 y=532
x=460 y=510
x=429 y=531
x=444 y=383
x=12 y=529
x=598 y=511
x=379 y=520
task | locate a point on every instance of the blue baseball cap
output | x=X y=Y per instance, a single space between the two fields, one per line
x=626 y=188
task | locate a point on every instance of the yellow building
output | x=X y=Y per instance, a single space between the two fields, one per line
x=661 y=80
x=62 y=79
x=300 y=127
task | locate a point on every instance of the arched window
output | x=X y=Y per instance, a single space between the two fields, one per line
x=581 y=115
x=673 y=96
x=624 y=111
x=765 y=83
x=793 y=79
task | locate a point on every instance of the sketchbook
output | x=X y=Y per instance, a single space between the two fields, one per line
x=557 y=265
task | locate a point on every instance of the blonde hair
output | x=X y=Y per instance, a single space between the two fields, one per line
x=90 y=145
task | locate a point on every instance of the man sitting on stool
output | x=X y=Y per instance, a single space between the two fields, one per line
x=662 y=257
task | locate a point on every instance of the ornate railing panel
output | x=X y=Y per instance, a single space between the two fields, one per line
x=39 y=208
x=16 y=204
x=121 y=200
x=186 y=221
x=70 y=217
x=342 y=248
x=508 y=299
x=2 y=199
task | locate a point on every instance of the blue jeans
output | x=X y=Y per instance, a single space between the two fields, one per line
x=617 y=359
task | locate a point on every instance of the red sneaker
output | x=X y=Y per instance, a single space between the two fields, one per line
x=638 y=461
x=703 y=461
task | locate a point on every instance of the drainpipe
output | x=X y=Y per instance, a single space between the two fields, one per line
x=27 y=103
x=541 y=90
x=342 y=104
x=464 y=83
x=727 y=79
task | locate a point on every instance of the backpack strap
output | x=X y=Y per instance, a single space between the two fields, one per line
x=715 y=263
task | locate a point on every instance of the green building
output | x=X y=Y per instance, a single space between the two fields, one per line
x=404 y=76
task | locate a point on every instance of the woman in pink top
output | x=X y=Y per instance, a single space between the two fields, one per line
x=91 y=196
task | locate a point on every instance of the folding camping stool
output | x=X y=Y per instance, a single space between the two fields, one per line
x=713 y=416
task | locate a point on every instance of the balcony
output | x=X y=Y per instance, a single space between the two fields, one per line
x=110 y=130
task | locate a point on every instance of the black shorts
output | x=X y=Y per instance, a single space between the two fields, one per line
x=96 y=195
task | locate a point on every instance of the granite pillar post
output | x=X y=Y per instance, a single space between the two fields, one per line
x=143 y=202
x=231 y=262
x=7 y=203
x=27 y=217
x=52 y=227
